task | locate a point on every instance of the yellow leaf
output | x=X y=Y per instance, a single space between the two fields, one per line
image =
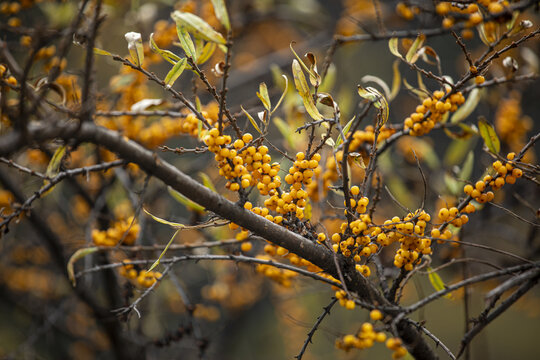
x=437 y=282
x=378 y=100
x=135 y=47
x=251 y=120
x=396 y=81
x=345 y=132
x=197 y=26
x=263 y=95
x=490 y=136
x=163 y=221
x=206 y=52
x=393 y=46
x=303 y=90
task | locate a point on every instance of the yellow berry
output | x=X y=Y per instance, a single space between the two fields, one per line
x=246 y=246
x=479 y=79
x=376 y=315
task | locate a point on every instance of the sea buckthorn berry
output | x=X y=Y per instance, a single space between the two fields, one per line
x=321 y=237
x=497 y=164
x=443 y=214
x=452 y=212
x=246 y=246
x=349 y=305
x=510 y=179
x=511 y=156
x=300 y=156
x=468 y=189
x=247 y=137
x=517 y=173
x=480 y=186
x=470 y=207
x=479 y=80
x=499 y=182
x=355 y=190
x=375 y=315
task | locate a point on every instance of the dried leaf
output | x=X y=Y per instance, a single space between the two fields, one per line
x=314 y=77
x=197 y=26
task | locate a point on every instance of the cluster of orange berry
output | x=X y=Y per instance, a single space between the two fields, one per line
x=418 y=124
x=281 y=276
x=124 y=231
x=409 y=233
x=143 y=278
x=7 y=78
x=454 y=217
x=397 y=347
x=364 y=339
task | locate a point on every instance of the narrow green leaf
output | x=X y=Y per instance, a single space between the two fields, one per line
x=437 y=282
x=345 y=132
x=285 y=131
x=185 y=201
x=165 y=54
x=79 y=254
x=262 y=94
x=220 y=9
x=412 y=54
x=163 y=221
x=207 y=181
x=156 y=263
x=197 y=26
x=393 y=46
x=186 y=42
x=490 y=136
x=251 y=120
x=175 y=72
x=98 y=51
x=467 y=168
x=303 y=89
x=466 y=109
x=452 y=184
